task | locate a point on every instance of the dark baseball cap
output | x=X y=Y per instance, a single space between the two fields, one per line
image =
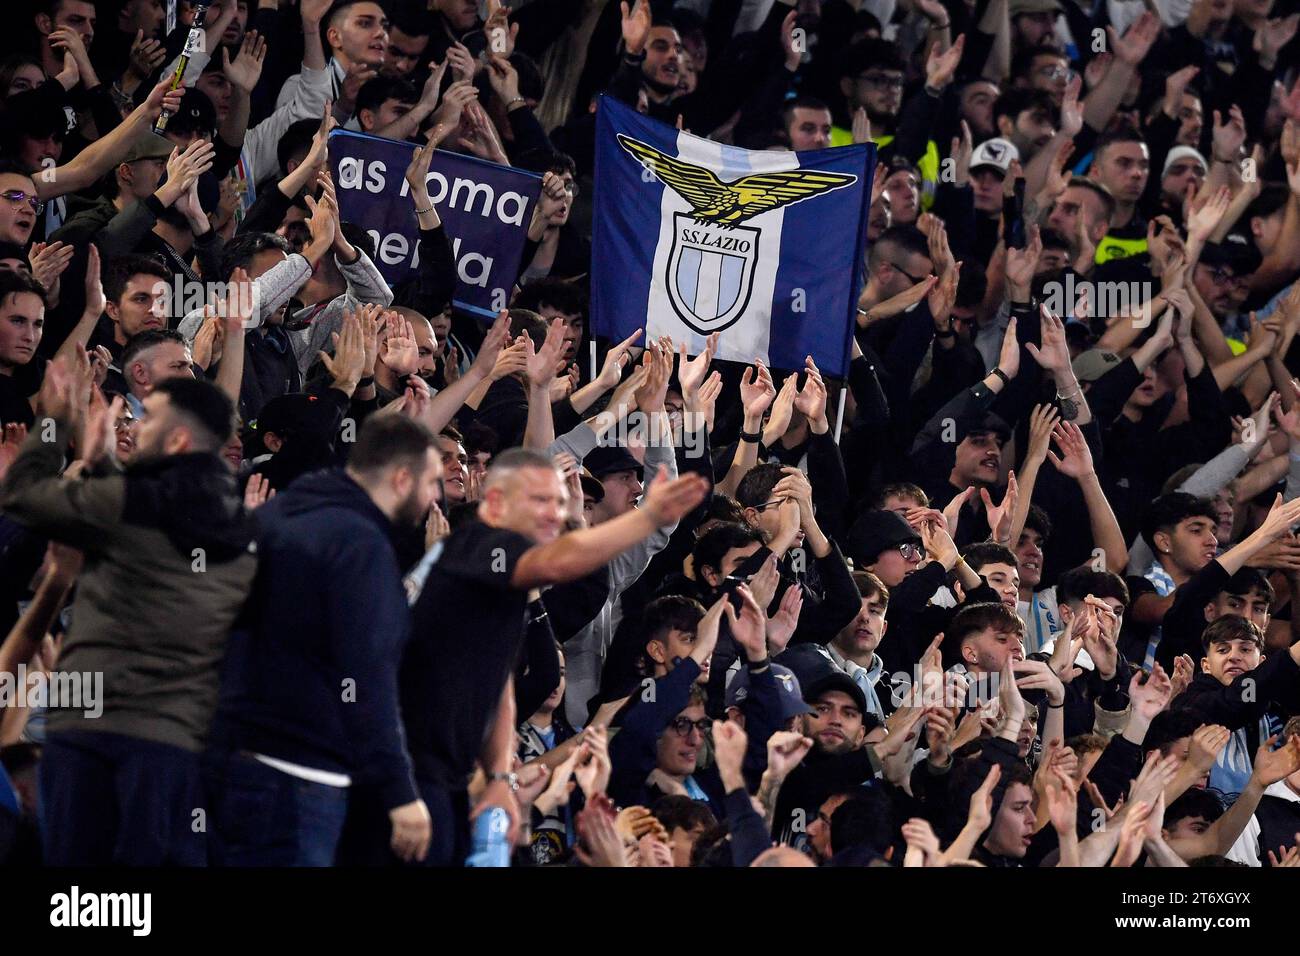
x=817 y=673
x=791 y=694
x=990 y=423
x=875 y=532
x=837 y=681
x=289 y=414
x=609 y=460
x=1236 y=251
x=196 y=114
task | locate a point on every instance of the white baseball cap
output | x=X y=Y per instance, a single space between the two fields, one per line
x=997 y=152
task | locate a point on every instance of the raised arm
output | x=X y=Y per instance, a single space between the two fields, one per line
x=103 y=154
x=580 y=552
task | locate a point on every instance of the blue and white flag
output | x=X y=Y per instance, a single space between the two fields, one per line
x=692 y=237
x=484 y=207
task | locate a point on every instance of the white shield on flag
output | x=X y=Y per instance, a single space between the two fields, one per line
x=710 y=272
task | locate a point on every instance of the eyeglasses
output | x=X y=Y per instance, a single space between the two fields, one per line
x=572 y=189
x=124 y=423
x=1056 y=73
x=883 y=81
x=682 y=726
x=17 y=195
x=910 y=550
x=1222 y=276
x=899 y=269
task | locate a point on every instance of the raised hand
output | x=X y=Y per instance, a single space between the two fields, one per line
x=147 y=54
x=1289 y=857
x=600 y=843
x=756 y=391
x=748 y=627
x=1271 y=36
x=1038 y=676
x=1099 y=639
x=1071 y=112
x=163 y=97
x=899 y=303
x=782 y=625
x=482 y=139
x=952 y=511
x=707 y=398
x=811 y=399
x=782 y=411
x=1208 y=742
x=1076 y=458
x=1132 y=48
x=593 y=770
x=493 y=342
x=1042 y=422
x=980 y=814
x=941 y=66
x=500 y=32
x=504 y=79
x=67 y=40
x=257 y=492
x=1054 y=354
x=356 y=76
x=398 y=349
x=349 y=357
x=658 y=365
x=540 y=366
x=1000 y=516
x=667 y=502
x=1009 y=356
x=636 y=26
x=321 y=225
x=785 y=750
x=1272 y=765
x=861 y=122
x=1281 y=518
x=246 y=69
x=729 y=744
x=1229 y=137
x=922 y=844
x=1202 y=222
x=48 y=261
x=1152 y=695
x=691 y=372
x=1132 y=834
x=763 y=582
x=1022 y=264
x=940 y=728
x=462 y=63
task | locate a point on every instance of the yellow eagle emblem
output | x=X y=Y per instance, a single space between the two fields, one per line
x=728 y=204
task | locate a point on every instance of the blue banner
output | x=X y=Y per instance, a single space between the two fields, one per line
x=484 y=207
x=692 y=237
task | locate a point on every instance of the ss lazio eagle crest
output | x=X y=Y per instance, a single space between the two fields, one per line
x=710 y=271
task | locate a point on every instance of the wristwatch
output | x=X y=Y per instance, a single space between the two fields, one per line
x=511 y=780
x=1002 y=375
